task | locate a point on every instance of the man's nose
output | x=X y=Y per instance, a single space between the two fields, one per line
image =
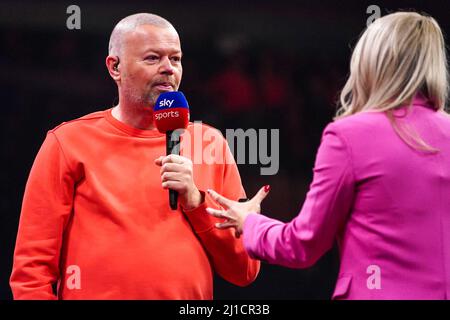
x=166 y=66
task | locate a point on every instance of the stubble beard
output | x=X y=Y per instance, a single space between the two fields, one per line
x=141 y=99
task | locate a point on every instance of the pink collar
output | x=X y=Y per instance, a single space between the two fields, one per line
x=421 y=100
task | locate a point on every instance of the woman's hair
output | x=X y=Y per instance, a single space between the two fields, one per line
x=398 y=56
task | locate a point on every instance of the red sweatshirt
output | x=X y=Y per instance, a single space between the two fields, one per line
x=96 y=221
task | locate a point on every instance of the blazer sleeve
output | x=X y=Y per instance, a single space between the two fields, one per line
x=301 y=242
x=46 y=208
x=226 y=253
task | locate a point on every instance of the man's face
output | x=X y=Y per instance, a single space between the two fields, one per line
x=150 y=63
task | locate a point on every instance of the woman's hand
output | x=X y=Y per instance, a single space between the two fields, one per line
x=235 y=212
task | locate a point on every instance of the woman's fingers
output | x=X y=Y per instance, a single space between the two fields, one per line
x=262 y=193
x=224 y=202
x=226 y=225
x=218 y=213
x=229 y=224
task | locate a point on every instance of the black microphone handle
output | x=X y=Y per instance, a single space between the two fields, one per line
x=173 y=147
x=173 y=199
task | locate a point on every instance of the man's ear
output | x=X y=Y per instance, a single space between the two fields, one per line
x=112 y=63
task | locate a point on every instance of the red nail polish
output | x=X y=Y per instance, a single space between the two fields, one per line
x=266 y=188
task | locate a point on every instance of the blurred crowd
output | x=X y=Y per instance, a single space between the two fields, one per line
x=52 y=78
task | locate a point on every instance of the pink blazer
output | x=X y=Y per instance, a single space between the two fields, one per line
x=387 y=205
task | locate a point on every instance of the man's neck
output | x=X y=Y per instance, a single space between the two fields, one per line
x=140 y=118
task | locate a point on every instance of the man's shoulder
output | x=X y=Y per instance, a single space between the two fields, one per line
x=86 y=120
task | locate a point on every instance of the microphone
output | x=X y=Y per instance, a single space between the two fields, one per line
x=171 y=112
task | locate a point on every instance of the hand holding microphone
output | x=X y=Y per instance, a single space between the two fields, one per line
x=177 y=176
x=171 y=113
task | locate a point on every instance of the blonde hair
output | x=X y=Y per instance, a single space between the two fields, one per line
x=398 y=56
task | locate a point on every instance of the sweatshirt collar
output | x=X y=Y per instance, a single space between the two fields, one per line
x=132 y=131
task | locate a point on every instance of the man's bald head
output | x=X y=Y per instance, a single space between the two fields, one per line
x=130 y=23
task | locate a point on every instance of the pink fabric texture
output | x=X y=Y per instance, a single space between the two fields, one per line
x=387 y=204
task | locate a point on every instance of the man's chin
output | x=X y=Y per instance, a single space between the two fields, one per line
x=147 y=102
x=155 y=94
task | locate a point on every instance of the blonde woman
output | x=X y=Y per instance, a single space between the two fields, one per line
x=381 y=182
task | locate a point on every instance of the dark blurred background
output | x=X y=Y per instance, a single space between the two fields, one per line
x=247 y=64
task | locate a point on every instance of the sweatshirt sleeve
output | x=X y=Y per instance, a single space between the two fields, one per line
x=226 y=252
x=301 y=242
x=46 y=208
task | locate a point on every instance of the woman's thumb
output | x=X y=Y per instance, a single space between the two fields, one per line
x=262 y=193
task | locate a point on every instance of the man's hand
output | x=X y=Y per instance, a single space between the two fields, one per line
x=177 y=174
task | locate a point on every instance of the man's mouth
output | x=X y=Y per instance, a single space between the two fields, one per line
x=164 y=86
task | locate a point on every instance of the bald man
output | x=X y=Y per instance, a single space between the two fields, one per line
x=95 y=220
